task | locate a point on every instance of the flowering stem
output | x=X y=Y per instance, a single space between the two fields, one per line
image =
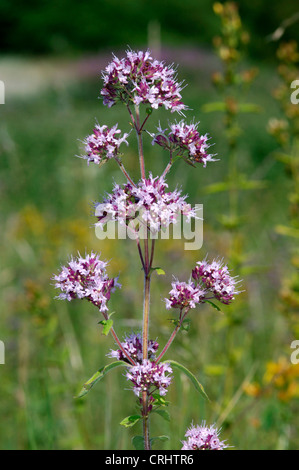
x=146 y=308
x=140 y=144
x=169 y=165
x=132 y=117
x=121 y=347
x=146 y=312
x=173 y=335
x=119 y=343
x=121 y=166
x=146 y=436
x=166 y=170
x=140 y=253
x=143 y=124
x=152 y=252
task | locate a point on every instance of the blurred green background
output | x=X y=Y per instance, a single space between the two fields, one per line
x=52 y=54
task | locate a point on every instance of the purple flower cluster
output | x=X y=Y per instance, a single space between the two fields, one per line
x=210 y=281
x=216 y=278
x=149 y=376
x=103 y=144
x=185 y=294
x=137 y=78
x=155 y=207
x=186 y=141
x=133 y=346
x=203 y=438
x=86 y=278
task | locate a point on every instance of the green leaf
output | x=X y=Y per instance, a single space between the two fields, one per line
x=241 y=184
x=160 y=400
x=185 y=326
x=130 y=420
x=218 y=187
x=216 y=106
x=288 y=231
x=214 y=369
x=176 y=158
x=158 y=270
x=107 y=325
x=138 y=442
x=190 y=376
x=163 y=413
x=213 y=305
x=98 y=376
x=249 y=108
x=159 y=438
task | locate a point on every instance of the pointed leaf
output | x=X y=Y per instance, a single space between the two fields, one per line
x=216 y=106
x=159 y=438
x=249 y=108
x=186 y=324
x=107 y=325
x=138 y=442
x=213 y=305
x=160 y=400
x=176 y=158
x=288 y=231
x=158 y=270
x=130 y=420
x=190 y=376
x=163 y=413
x=98 y=376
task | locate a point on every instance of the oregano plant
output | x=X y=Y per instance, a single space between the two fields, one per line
x=145 y=208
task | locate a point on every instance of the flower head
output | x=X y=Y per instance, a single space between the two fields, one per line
x=203 y=438
x=133 y=346
x=155 y=207
x=86 y=278
x=149 y=376
x=185 y=140
x=185 y=294
x=103 y=144
x=138 y=78
x=216 y=278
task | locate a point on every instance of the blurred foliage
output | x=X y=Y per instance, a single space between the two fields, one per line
x=286 y=133
x=43 y=26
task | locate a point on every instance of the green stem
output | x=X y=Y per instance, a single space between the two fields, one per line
x=173 y=335
x=146 y=311
x=146 y=435
x=140 y=144
x=124 y=171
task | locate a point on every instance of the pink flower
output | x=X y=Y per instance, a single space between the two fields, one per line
x=138 y=78
x=133 y=346
x=184 y=139
x=150 y=377
x=155 y=207
x=103 y=144
x=86 y=278
x=216 y=278
x=185 y=294
x=203 y=438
